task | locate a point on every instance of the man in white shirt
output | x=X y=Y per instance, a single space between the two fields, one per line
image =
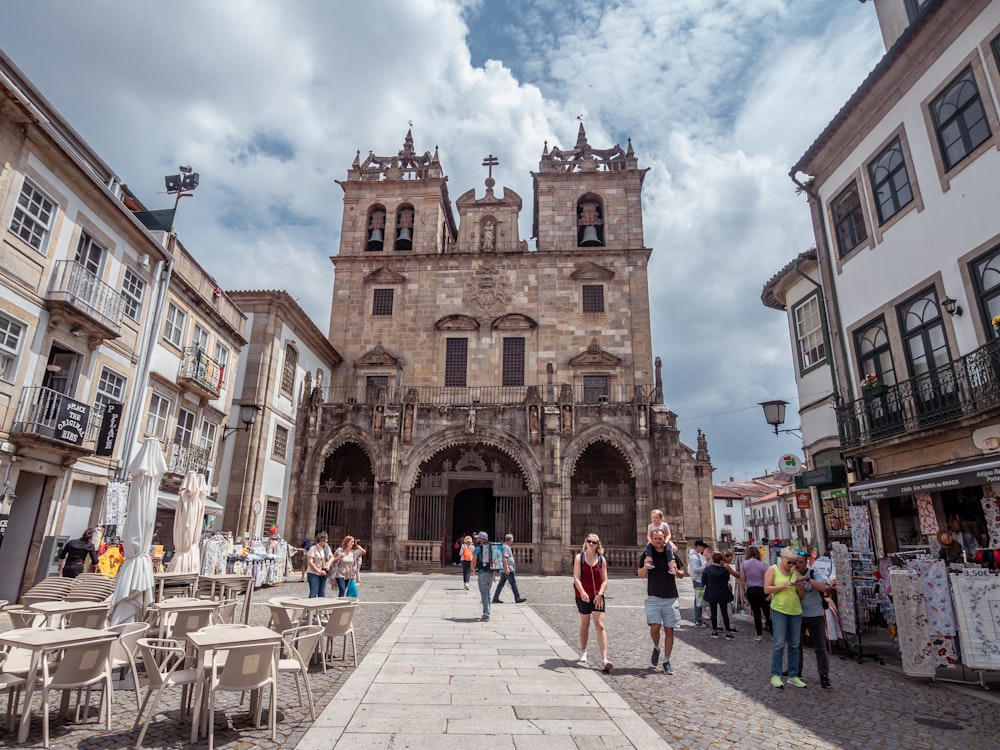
x=696 y=564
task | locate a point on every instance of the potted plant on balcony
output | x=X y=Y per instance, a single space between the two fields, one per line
x=872 y=385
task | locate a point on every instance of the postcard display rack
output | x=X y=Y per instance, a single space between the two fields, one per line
x=947 y=619
x=859 y=597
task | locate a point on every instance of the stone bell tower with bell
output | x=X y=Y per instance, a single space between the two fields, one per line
x=487 y=385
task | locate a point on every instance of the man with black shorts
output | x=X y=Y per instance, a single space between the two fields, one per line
x=661 y=569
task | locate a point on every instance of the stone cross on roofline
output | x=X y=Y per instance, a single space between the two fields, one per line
x=489 y=162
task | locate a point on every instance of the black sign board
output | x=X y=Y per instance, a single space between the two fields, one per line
x=825 y=475
x=71 y=421
x=108 y=434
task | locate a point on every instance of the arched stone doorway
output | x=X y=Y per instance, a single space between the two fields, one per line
x=603 y=497
x=468 y=488
x=346 y=494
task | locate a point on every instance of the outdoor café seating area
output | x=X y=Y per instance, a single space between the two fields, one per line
x=174 y=674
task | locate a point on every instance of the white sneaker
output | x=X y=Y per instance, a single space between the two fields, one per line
x=583 y=658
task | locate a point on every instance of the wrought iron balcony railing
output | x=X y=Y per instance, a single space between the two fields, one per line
x=56 y=417
x=73 y=284
x=204 y=372
x=488 y=395
x=184 y=457
x=961 y=388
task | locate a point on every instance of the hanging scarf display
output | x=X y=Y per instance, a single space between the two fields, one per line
x=991 y=510
x=937 y=596
x=929 y=524
x=921 y=652
x=860 y=528
x=977 y=604
x=845 y=587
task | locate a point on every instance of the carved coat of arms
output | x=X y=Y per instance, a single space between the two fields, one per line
x=484 y=293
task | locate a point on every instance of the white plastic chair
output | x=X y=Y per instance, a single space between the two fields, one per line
x=123 y=651
x=163 y=659
x=25 y=618
x=96 y=618
x=225 y=613
x=12 y=682
x=81 y=666
x=339 y=624
x=281 y=618
x=301 y=644
x=245 y=668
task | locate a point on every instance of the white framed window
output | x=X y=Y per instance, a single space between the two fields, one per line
x=200 y=338
x=90 y=255
x=110 y=387
x=221 y=355
x=133 y=292
x=156 y=417
x=280 y=448
x=209 y=434
x=809 y=333
x=33 y=214
x=11 y=336
x=173 y=326
x=184 y=431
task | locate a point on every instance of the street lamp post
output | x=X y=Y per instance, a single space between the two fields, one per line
x=182 y=185
x=774 y=415
x=248 y=417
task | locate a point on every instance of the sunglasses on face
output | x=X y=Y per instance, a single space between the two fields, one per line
x=593 y=541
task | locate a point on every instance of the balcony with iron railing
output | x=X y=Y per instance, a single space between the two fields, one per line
x=89 y=305
x=490 y=395
x=51 y=420
x=184 y=457
x=200 y=373
x=964 y=387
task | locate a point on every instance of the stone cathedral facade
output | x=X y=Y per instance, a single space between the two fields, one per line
x=486 y=385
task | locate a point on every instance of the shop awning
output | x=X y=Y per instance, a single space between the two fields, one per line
x=165 y=501
x=965 y=474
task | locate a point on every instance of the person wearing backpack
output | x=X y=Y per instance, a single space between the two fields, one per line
x=467 y=554
x=590 y=579
x=484 y=571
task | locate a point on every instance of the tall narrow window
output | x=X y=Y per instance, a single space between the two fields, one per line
x=222 y=357
x=849 y=220
x=404 y=228
x=11 y=335
x=595 y=388
x=986 y=275
x=209 y=433
x=890 y=181
x=875 y=353
x=382 y=301
x=173 y=325
x=589 y=222
x=288 y=368
x=923 y=329
x=32 y=220
x=959 y=119
x=373 y=384
x=90 y=255
x=375 y=234
x=455 y=362
x=184 y=432
x=156 y=417
x=200 y=338
x=133 y=291
x=513 y=361
x=279 y=449
x=593 y=298
x=809 y=333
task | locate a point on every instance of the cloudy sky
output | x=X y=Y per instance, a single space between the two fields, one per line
x=270 y=101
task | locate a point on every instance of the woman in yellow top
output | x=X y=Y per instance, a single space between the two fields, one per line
x=783 y=584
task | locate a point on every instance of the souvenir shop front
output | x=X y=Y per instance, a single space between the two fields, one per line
x=931 y=567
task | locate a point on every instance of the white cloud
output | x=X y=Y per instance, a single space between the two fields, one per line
x=270 y=101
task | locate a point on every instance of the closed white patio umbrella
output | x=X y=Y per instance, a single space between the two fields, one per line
x=187 y=524
x=134 y=587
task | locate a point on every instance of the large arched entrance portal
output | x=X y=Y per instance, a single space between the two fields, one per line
x=346 y=495
x=465 y=489
x=603 y=497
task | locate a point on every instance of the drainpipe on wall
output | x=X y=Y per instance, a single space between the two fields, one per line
x=164 y=271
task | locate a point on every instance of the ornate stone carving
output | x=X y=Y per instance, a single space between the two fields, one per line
x=484 y=295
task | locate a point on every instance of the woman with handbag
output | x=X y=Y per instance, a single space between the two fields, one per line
x=342 y=570
x=716 y=577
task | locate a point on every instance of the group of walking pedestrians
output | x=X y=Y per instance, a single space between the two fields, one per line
x=342 y=565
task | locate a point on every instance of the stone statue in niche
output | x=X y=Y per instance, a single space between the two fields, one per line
x=567 y=421
x=488 y=242
x=470 y=421
x=377 y=418
x=533 y=434
x=642 y=417
x=408 y=423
